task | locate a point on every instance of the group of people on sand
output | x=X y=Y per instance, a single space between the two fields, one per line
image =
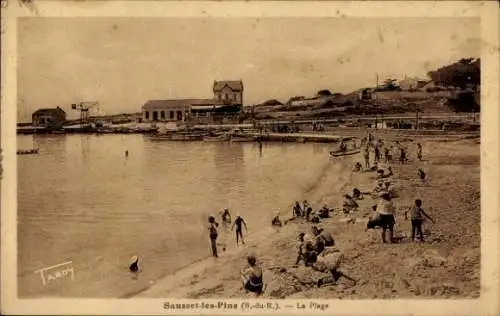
x=317 y=249
x=385 y=211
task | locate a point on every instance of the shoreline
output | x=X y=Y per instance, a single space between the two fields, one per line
x=447 y=265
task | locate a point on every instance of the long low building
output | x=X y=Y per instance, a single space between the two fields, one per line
x=181 y=109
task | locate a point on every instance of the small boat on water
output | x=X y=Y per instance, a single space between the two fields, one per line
x=33 y=151
x=346 y=153
x=186 y=137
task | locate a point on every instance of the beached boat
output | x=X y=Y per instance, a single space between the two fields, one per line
x=220 y=138
x=241 y=139
x=347 y=153
x=33 y=151
x=160 y=137
x=186 y=137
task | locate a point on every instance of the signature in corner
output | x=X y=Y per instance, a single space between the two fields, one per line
x=57 y=271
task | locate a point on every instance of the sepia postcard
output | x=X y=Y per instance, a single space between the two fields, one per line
x=250 y=157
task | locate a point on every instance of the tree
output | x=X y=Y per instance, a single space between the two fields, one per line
x=463 y=73
x=272 y=102
x=390 y=85
x=323 y=93
x=465 y=102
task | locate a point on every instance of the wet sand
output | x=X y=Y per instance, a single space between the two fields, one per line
x=446 y=265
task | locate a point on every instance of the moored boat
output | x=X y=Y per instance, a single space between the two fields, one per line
x=346 y=153
x=220 y=138
x=33 y=151
x=241 y=139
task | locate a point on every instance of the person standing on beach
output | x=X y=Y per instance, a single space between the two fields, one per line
x=239 y=222
x=402 y=156
x=417 y=218
x=366 y=154
x=377 y=153
x=419 y=151
x=386 y=210
x=212 y=230
x=297 y=210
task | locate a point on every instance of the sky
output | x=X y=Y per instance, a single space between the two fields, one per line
x=123 y=62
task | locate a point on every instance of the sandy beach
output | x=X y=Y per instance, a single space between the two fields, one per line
x=446 y=265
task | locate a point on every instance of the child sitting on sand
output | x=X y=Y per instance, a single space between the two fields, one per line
x=252 y=276
x=329 y=263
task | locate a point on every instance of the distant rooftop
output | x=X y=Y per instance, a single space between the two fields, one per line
x=47 y=111
x=235 y=85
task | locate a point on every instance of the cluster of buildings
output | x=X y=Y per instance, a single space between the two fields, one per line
x=227 y=100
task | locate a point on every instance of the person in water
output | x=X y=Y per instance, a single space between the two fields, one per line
x=134 y=264
x=417 y=218
x=212 y=232
x=226 y=216
x=252 y=276
x=239 y=222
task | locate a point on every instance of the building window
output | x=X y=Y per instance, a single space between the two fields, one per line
x=235 y=97
x=226 y=96
x=147 y=115
x=179 y=115
x=155 y=115
x=219 y=96
x=162 y=115
x=172 y=115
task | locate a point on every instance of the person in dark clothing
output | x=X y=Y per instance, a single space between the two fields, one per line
x=134 y=264
x=308 y=213
x=422 y=175
x=417 y=218
x=387 y=155
x=357 y=194
x=402 y=156
x=297 y=210
x=238 y=223
x=226 y=216
x=276 y=220
x=419 y=151
x=377 y=153
x=212 y=230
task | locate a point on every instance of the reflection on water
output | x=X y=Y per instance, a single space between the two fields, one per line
x=83 y=200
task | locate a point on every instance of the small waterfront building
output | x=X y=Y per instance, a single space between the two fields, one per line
x=49 y=118
x=228 y=92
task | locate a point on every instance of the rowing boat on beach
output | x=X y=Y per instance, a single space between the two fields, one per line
x=347 y=153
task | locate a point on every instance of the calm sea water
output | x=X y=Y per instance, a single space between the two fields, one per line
x=82 y=200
